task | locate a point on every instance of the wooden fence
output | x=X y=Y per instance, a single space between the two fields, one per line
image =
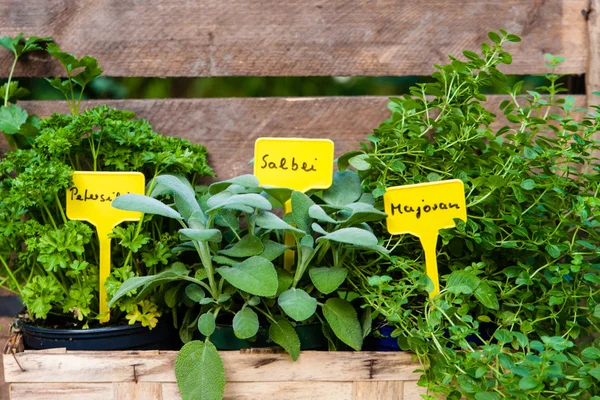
x=208 y=38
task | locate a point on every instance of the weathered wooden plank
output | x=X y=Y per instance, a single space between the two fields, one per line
x=98 y=367
x=292 y=38
x=62 y=391
x=233 y=391
x=229 y=127
x=412 y=391
x=592 y=75
x=277 y=391
x=137 y=391
x=382 y=390
x=4 y=332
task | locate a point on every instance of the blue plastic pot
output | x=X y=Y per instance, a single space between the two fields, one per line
x=387 y=343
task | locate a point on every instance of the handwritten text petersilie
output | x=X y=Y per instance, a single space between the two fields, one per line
x=87 y=196
x=427 y=208
x=283 y=164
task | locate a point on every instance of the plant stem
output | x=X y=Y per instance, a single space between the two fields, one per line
x=11 y=275
x=60 y=207
x=12 y=70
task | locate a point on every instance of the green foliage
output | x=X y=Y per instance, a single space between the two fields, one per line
x=255 y=275
x=297 y=304
x=517 y=312
x=12 y=117
x=327 y=280
x=238 y=271
x=200 y=372
x=206 y=324
x=342 y=319
x=245 y=323
x=53 y=262
x=283 y=333
x=80 y=72
x=14 y=121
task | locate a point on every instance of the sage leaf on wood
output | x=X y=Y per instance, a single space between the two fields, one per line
x=200 y=372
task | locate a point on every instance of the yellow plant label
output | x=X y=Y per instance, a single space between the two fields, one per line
x=90 y=199
x=422 y=210
x=299 y=164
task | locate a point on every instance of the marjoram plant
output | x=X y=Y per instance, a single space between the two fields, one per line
x=520 y=310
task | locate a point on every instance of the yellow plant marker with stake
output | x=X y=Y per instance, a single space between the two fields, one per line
x=422 y=210
x=90 y=199
x=298 y=164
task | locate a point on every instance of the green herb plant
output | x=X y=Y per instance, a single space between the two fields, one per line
x=53 y=262
x=15 y=123
x=239 y=280
x=519 y=312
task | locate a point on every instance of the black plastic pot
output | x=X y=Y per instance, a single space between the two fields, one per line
x=126 y=337
x=311 y=338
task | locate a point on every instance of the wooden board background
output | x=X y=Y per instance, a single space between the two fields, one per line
x=149 y=375
x=4 y=332
x=294 y=38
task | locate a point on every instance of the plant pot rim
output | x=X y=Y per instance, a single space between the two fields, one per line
x=77 y=332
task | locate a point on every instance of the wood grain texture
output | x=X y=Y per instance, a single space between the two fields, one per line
x=229 y=127
x=275 y=391
x=97 y=367
x=292 y=38
x=137 y=391
x=287 y=390
x=62 y=391
x=592 y=75
x=4 y=332
x=391 y=390
x=382 y=390
x=412 y=391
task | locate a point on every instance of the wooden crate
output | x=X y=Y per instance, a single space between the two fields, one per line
x=251 y=375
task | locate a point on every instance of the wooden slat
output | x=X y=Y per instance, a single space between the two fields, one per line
x=287 y=390
x=4 y=332
x=233 y=391
x=382 y=390
x=137 y=391
x=593 y=66
x=293 y=38
x=96 y=367
x=62 y=391
x=229 y=127
x=412 y=391
x=592 y=75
